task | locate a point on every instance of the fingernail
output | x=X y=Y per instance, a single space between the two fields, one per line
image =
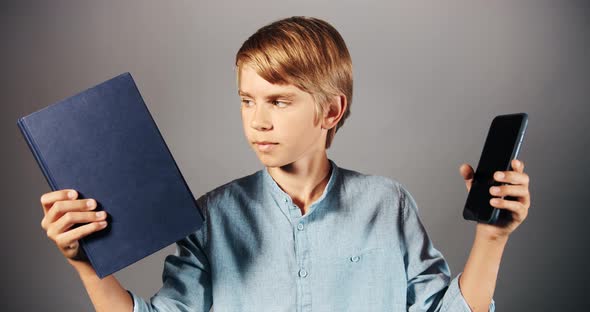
x=71 y=194
x=90 y=203
x=102 y=223
x=495 y=201
x=495 y=190
x=499 y=175
x=100 y=214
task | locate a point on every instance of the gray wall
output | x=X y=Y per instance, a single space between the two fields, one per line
x=429 y=77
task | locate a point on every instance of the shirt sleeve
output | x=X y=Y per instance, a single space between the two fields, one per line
x=430 y=287
x=186 y=277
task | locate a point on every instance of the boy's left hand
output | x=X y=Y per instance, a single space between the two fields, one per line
x=517 y=188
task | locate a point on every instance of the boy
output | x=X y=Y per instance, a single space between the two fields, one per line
x=301 y=234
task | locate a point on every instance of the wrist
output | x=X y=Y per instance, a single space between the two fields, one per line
x=483 y=234
x=83 y=267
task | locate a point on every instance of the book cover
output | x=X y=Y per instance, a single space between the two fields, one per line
x=104 y=143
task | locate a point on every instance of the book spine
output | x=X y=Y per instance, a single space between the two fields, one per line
x=36 y=153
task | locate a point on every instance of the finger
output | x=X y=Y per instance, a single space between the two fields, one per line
x=48 y=199
x=518 y=193
x=519 y=212
x=518 y=165
x=509 y=190
x=466 y=171
x=70 y=218
x=61 y=207
x=69 y=238
x=512 y=177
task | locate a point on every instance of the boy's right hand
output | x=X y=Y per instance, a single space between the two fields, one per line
x=62 y=211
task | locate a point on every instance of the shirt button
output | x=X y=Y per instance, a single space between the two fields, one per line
x=286 y=200
x=302 y=273
x=300 y=226
x=355 y=258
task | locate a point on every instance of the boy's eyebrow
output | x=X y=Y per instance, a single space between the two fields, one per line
x=271 y=96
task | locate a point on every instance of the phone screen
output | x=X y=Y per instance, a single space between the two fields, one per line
x=501 y=147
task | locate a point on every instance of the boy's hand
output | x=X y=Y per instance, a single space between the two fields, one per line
x=516 y=195
x=62 y=211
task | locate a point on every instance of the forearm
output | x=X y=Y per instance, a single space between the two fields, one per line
x=478 y=281
x=106 y=294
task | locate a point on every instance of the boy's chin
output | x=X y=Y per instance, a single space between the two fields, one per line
x=271 y=161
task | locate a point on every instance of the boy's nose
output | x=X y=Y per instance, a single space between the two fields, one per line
x=261 y=119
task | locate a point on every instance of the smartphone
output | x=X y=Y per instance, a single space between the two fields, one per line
x=501 y=146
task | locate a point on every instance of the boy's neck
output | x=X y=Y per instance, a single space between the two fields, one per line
x=304 y=180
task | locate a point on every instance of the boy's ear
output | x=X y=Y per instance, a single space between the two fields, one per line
x=334 y=111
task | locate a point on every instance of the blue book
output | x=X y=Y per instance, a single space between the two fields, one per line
x=104 y=143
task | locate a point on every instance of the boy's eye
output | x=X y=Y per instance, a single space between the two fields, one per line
x=280 y=103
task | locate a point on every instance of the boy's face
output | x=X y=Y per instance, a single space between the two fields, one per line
x=282 y=115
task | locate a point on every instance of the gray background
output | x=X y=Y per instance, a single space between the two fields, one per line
x=428 y=79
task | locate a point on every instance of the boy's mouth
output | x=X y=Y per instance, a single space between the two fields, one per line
x=265 y=146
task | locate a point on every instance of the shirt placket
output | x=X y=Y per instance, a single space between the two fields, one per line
x=301 y=244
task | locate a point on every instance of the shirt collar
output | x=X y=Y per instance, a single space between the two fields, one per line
x=284 y=197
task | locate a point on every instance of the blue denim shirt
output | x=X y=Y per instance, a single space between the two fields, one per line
x=360 y=247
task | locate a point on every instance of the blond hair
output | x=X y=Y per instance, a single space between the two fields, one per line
x=306 y=52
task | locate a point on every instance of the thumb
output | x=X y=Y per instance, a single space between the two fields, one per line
x=466 y=171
